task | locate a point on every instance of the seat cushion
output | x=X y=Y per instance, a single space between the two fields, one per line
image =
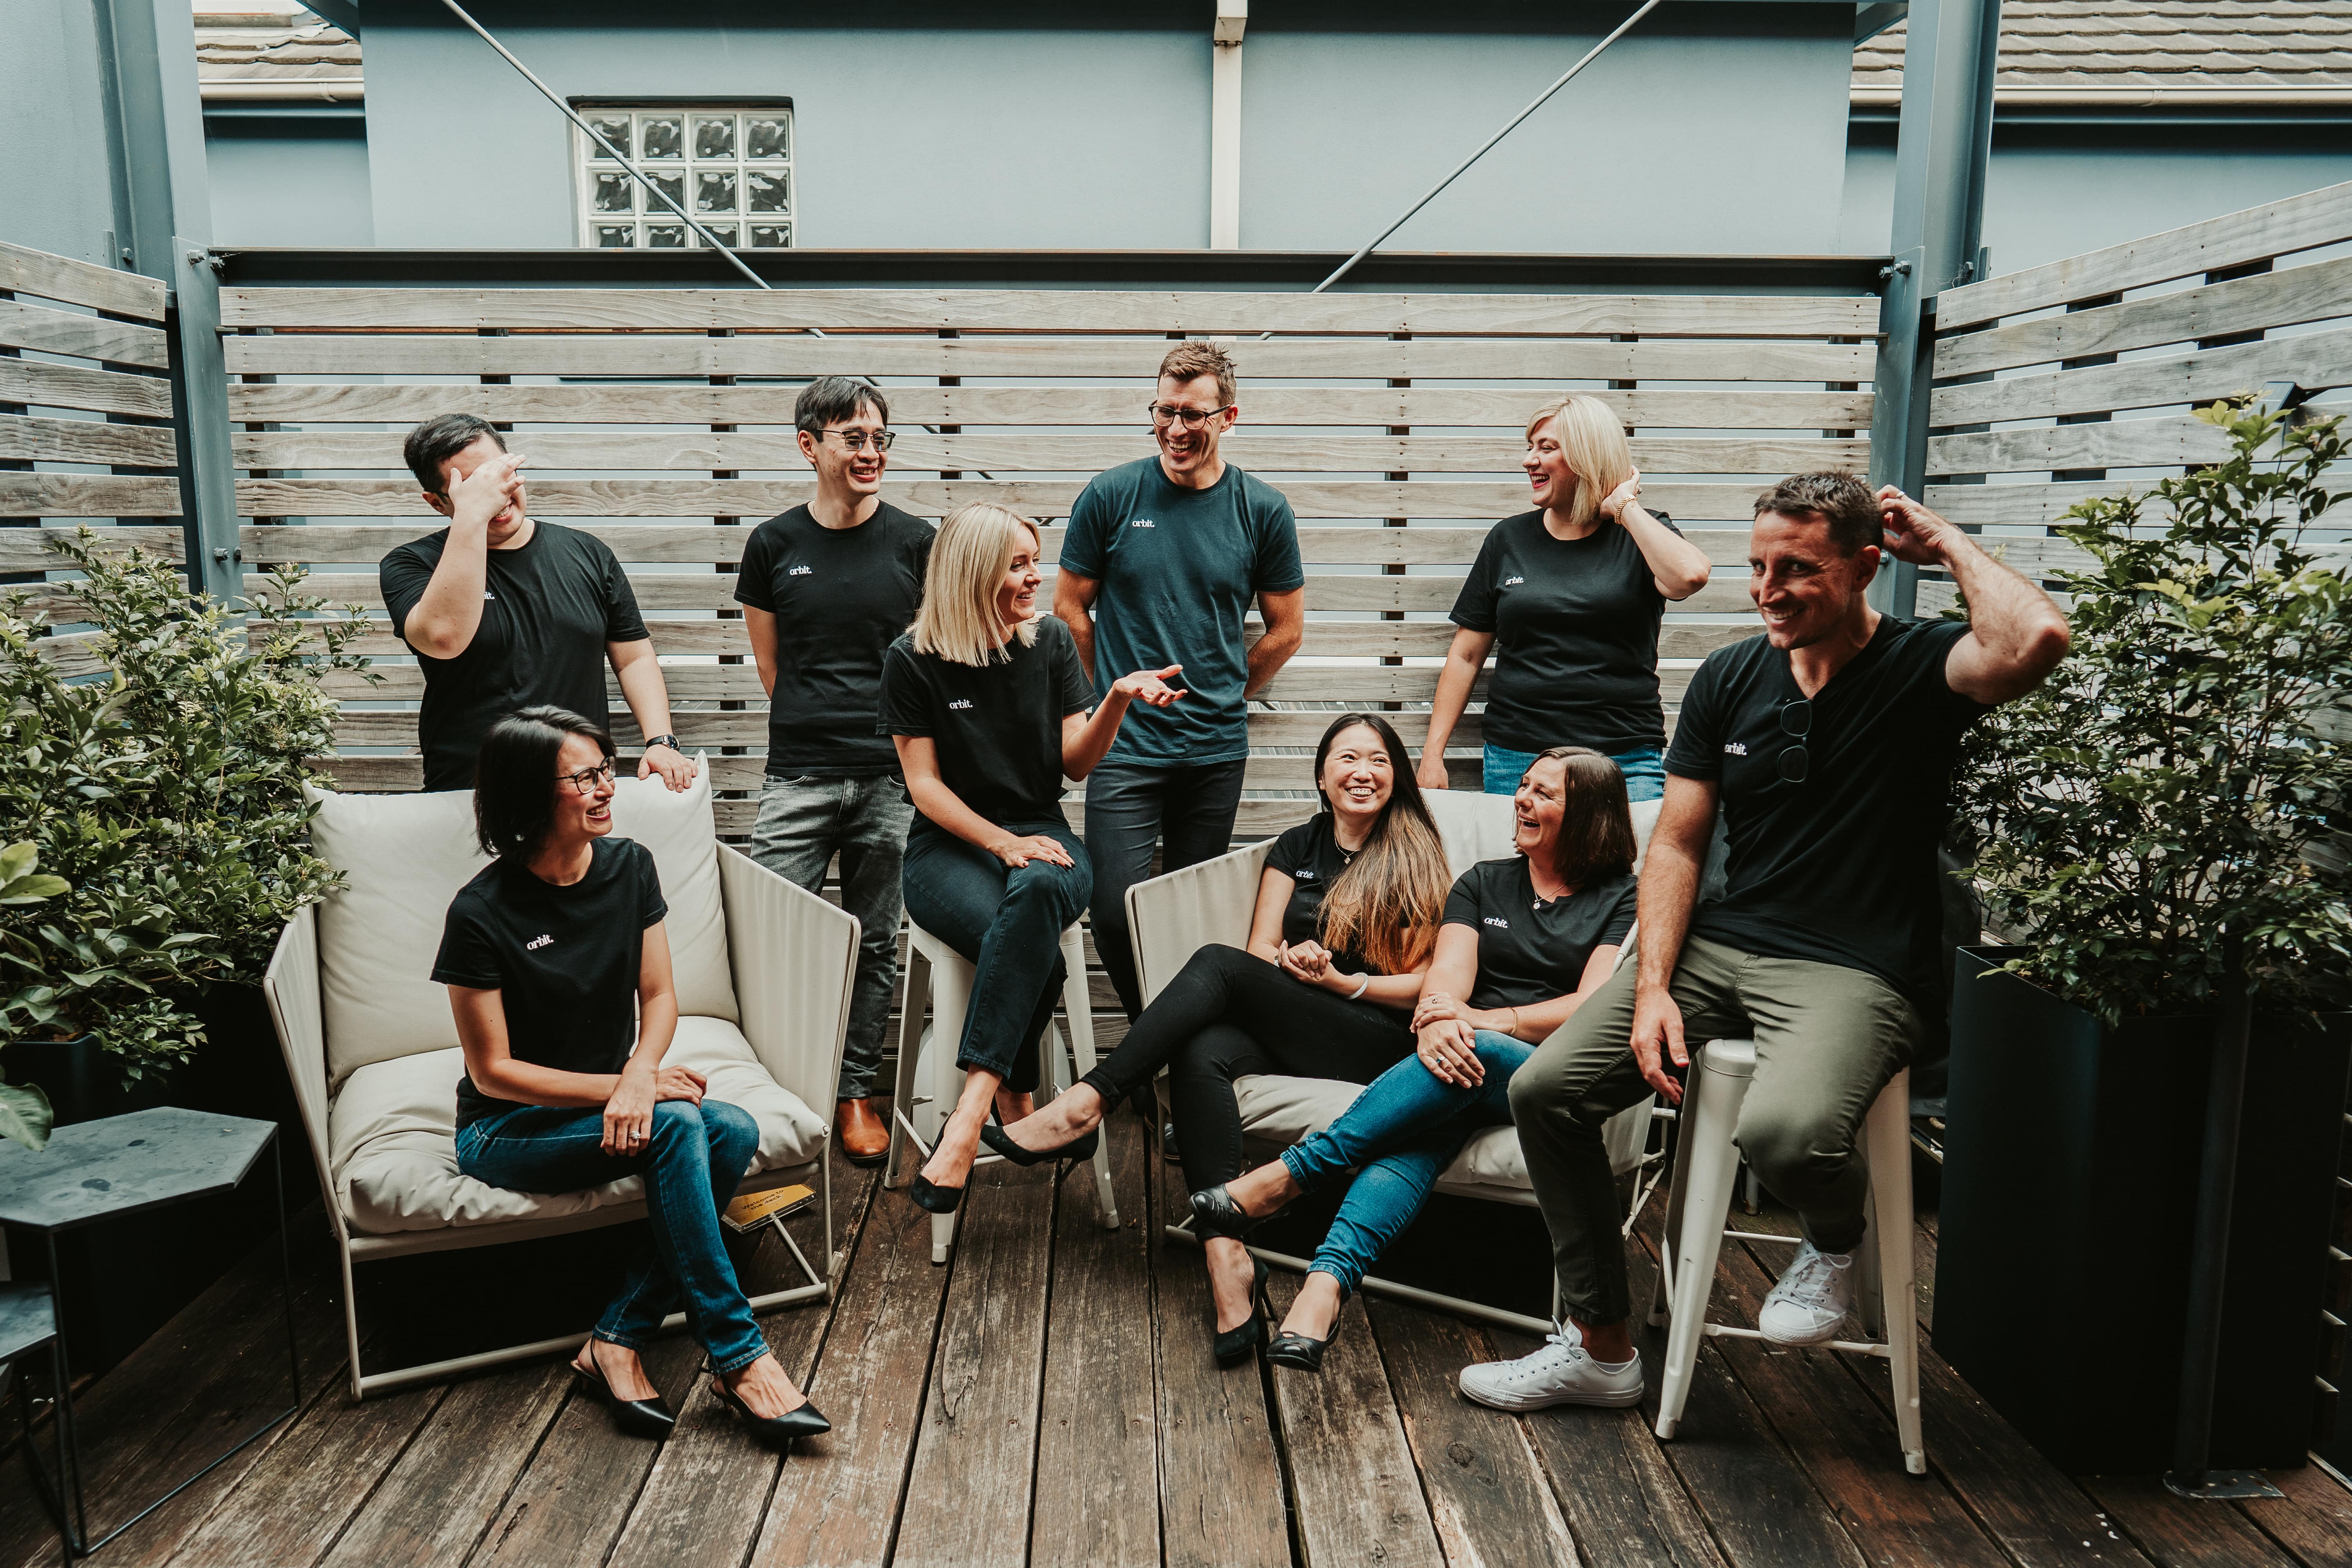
x=392 y=1135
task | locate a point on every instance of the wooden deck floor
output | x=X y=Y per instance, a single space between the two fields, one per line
x=1048 y=1399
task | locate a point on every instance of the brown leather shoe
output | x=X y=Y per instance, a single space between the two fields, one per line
x=863 y=1136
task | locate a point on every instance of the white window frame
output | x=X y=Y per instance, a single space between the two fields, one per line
x=649 y=220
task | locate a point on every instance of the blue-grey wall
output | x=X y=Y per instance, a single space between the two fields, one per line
x=1712 y=128
x=56 y=186
x=290 y=187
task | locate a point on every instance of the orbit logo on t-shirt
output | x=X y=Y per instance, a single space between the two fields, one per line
x=959 y=702
x=1735 y=747
x=1143 y=522
x=798 y=571
x=1497 y=921
x=535 y=944
x=1512 y=582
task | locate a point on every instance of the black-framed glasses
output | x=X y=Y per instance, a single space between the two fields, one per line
x=588 y=780
x=856 y=440
x=1191 y=418
x=1797 y=721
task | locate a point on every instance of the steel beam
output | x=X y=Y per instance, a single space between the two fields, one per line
x=164 y=193
x=1943 y=146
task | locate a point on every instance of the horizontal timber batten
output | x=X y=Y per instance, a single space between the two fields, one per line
x=85 y=441
x=82 y=337
x=2318 y=360
x=42 y=385
x=88 y=495
x=61 y=278
x=27 y=549
x=2119 y=444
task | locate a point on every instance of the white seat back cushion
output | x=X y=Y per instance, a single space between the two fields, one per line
x=684 y=838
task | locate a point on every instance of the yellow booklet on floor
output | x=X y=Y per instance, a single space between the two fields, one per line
x=753 y=1210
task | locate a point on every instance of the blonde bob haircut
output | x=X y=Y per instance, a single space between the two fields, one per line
x=1592 y=439
x=958 y=620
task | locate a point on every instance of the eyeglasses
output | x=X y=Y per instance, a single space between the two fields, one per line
x=856 y=440
x=588 y=780
x=1796 y=719
x=1191 y=418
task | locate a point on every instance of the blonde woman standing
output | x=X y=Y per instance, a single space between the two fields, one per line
x=1568 y=598
x=987 y=704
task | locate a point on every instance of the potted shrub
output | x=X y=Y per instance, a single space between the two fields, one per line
x=2153 y=819
x=161 y=797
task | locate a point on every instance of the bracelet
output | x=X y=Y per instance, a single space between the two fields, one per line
x=1361 y=986
x=1514 y=1029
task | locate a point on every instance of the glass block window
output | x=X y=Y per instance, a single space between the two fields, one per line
x=732 y=168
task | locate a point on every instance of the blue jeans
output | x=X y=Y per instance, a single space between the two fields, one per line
x=1009 y=924
x=1398 y=1137
x=692 y=1165
x=1645 y=768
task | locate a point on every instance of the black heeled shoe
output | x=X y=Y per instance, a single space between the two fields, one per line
x=1299 y=1350
x=1214 y=1213
x=804 y=1420
x=1000 y=1142
x=932 y=1198
x=1232 y=1346
x=639 y=1418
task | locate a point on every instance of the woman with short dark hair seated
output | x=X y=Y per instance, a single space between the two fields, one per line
x=1526 y=940
x=557 y=963
x=989 y=706
x=1348 y=909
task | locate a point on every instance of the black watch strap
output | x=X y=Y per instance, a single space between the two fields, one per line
x=669 y=741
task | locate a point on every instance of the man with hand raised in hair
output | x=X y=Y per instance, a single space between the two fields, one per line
x=1828 y=741
x=826 y=589
x=505 y=611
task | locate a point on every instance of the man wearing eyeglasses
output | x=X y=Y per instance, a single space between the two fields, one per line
x=824 y=589
x=1163 y=559
x=1829 y=743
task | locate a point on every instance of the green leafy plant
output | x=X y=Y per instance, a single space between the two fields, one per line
x=2165 y=795
x=24 y=1113
x=161 y=791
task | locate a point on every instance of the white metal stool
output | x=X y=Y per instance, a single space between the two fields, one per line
x=940 y=975
x=1706 y=1166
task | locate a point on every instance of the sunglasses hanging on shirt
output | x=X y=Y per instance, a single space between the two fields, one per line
x=1796 y=721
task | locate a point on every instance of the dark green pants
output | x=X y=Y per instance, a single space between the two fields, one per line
x=1828 y=1038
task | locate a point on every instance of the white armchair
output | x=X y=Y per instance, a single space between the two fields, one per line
x=763 y=973
x=1172 y=917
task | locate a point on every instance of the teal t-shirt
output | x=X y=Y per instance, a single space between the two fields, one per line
x=1179 y=569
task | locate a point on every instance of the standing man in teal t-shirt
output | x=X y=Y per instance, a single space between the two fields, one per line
x=1168 y=552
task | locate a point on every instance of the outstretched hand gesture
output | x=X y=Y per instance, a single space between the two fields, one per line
x=1149 y=687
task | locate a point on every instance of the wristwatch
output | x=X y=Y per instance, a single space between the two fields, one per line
x=669 y=741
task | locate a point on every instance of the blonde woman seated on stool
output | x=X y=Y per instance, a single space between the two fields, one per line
x=556 y=959
x=1347 y=913
x=987 y=703
x=1526 y=940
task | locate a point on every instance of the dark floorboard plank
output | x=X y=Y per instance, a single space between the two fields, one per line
x=1353 y=1483
x=702 y=1501
x=2313 y=1521
x=967 y=1502
x=2179 y=1533
x=1489 y=1497
x=1222 y=1497
x=441 y=1496
x=1097 y=1495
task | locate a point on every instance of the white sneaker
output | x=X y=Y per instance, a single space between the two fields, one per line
x=1560 y=1372
x=1811 y=1300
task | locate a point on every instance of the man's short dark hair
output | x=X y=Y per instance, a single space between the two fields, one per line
x=514 y=779
x=836 y=400
x=440 y=438
x=1839 y=499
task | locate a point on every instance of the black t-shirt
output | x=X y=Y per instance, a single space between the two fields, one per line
x=840 y=596
x=563 y=960
x=549 y=609
x=1530 y=951
x=998 y=728
x=1840 y=869
x=1575 y=622
x=1311 y=856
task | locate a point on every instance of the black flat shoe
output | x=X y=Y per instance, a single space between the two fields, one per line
x=1000 y=1142
x=1234 y=1346
x=639 y=1418
x=1214 y=1213
x=804 y=1420
x=933 y=1198
x=1299 y=1350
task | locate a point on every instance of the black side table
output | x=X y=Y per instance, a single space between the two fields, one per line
x=97 y=1171
x=28 y=1322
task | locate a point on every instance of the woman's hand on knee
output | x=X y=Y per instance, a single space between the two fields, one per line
x=629 y=1115
x=680 y=1083
x=1449 y=1049
x=1018 y=852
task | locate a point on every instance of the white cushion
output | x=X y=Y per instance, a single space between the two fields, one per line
x=392 y=1137
x=1475 y=828
x=684 y=838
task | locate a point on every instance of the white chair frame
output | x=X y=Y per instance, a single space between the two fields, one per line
x=790 y=951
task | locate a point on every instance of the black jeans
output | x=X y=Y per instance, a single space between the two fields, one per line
x=1230 y=1013
x=1188 y=811
x=1009 y=923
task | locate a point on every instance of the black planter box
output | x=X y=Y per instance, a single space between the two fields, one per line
x=2071 y=1170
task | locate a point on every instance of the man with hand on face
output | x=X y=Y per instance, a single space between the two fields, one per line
x=1168 y=553
x=505 y=611
x=826 y=589
x=1828 y=741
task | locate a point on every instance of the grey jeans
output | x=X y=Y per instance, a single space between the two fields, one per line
x=1827 y=1040
x=802 y=824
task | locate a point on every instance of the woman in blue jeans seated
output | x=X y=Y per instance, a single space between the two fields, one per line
x=1346 y=912
x=988 y=704
x=557 y=963
x=1526 y=940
